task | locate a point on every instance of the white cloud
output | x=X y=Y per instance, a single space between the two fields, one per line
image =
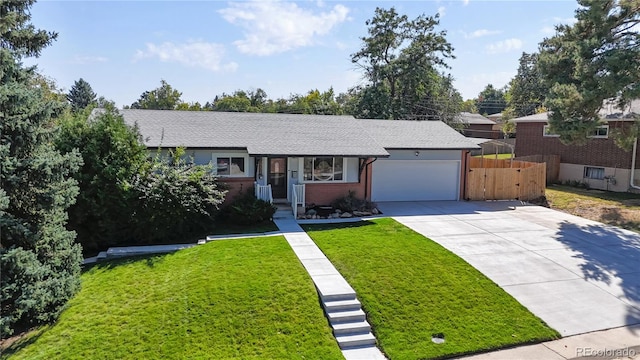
x=548 y=30
x=504 y=46
x=480 y=33
x=442 y=11
x=465 y=2
x=84 y=60
x=273 y=26
x=566 y=21
x=194 y=54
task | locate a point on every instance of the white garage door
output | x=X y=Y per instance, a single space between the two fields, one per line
x=415 y=180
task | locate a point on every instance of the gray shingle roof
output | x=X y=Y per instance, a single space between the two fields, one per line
x=407 y=134
x=289 y=134
x=469 y=118
x=609 y=111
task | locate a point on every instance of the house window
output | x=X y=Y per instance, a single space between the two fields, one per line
x=546 y=131
x=231 y=166
x=323 y=169
x=601 y=131
x=596 y=173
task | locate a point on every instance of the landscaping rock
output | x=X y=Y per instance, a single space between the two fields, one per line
x=346 y=215
x=335 y=215
x=361 y=213
x=375 y=211
x=311 y=212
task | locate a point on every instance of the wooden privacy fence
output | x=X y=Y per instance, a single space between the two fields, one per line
x=552 y=161
x=497 y=179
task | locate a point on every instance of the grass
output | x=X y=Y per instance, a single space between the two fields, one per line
x=613 y=208
x=412 y=288
x=244 y=299
x=493 y=156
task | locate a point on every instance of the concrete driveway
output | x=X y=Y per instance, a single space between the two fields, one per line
x=575 y=274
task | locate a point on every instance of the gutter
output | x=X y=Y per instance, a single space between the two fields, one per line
x=633 y=165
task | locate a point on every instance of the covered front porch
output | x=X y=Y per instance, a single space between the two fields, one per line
x=302 y=180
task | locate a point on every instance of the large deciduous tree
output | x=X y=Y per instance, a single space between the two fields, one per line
x=595 y=59
x=81 y=95
x=402 y=59
x=164 y=97
x=39 y=261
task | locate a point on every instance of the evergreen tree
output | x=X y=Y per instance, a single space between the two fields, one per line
x=39 y=261
x=593 y=60
x=491 y=100
x=527 y=91
x=81 y=95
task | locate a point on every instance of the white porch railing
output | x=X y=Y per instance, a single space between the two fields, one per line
x=297 y=198
x=263 y=192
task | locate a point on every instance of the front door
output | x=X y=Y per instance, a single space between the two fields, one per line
x=277 y=177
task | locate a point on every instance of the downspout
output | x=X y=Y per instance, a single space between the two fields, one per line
x=365 y=167
x=633 y=165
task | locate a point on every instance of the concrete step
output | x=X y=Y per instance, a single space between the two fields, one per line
x=349 y=341
x=337 y=296
x=340 y=317
x=351 y=328
x=101 y=256
x=342 y=305
x=283 y=212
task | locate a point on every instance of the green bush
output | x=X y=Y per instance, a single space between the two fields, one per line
x=128 y=198
x=176 y=199
x=113 y=155
x=246 y=209
x=351 y=203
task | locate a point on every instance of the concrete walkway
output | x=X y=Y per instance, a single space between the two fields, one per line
x=339 y=301
x=577 y=275
x=619 y=343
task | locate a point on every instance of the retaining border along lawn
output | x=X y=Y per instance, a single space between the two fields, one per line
x=412 y=288
x=248 y=298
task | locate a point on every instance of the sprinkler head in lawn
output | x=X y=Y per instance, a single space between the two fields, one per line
x=437 y=338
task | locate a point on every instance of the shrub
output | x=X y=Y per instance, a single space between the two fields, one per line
x=175 y=199
x=113 y=155
x=351 y=203
x=577 y=184
x=246 y=209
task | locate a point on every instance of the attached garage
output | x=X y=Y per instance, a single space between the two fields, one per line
x=415 y=180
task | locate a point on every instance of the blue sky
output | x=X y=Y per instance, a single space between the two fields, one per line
x=205 y=48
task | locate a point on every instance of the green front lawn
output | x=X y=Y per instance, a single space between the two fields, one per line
x=412 y=288
x=244 y=299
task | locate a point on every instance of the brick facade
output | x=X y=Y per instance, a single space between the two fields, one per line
x=483 y=131
x=597 y=152
x=326 y=193
x=316 y=193
x=235 y=186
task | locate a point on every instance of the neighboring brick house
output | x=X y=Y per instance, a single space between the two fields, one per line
x=600 y=162
x=478 y=126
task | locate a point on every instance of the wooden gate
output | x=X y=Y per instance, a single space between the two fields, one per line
x=491 y=179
